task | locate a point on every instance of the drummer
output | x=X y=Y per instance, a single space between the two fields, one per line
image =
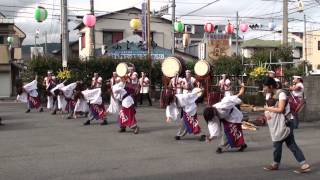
x=49 y=82
x=96 y=81
x=297 y=90
x=144 y=83
x=176 y=84
x=133 y=80
x=189 y=82
x=225 y=85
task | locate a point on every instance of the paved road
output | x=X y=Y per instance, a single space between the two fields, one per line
x=45 y=147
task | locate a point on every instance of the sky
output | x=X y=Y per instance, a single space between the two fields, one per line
x=220 y=11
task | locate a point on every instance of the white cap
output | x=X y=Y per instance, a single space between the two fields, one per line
x=271 y=72
x=188 y=71
x=297 y=77
x=223 y=75
x=276 y=79
x=49 y=72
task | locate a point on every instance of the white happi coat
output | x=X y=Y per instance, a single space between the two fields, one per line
x=119 y=92
x=68 y=90
x=93 y=96
x=224 y=108
x=61 y=100
x=186 y=102
x=31 y=89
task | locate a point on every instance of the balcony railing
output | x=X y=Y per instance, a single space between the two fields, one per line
x=6 y=21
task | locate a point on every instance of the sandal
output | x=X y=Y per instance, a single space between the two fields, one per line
x=303 y=169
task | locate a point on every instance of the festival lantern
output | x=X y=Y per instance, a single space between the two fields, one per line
x=229 y=28
x=185 y=40
x=179 y=26
x=89 y=20
x=135 y=23
x=272 y=26
x=40 y=14
x=209 y=28
x=243 y=27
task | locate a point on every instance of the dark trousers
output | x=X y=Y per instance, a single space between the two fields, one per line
x=295 y=121
x=142 y=97
x=291 y=144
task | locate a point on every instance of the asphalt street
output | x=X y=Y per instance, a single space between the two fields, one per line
x=40 y=146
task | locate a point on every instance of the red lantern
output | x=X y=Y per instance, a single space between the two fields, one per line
x=229 y=28
x=209 y=28
x=89 y=20
x=244 y=27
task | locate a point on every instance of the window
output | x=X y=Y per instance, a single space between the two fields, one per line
x=1 y=40
x=110 y=38
x=318 y=45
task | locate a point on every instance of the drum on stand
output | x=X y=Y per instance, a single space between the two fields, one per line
x=172 y=66
x=122 y=69
x=202 y=68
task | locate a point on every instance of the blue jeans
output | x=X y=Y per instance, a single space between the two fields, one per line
x=295 y=121
x=291 y=144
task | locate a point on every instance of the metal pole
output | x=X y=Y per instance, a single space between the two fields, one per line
x=237 y=34
x=92 y=33
x=305 y=43
x=149 y=32
x=45 y=43
x=285 y=24
x=173 y=21
x=65 y=33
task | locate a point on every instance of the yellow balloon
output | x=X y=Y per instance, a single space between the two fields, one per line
x=135 y=23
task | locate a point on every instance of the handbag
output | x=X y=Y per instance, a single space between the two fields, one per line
x=296 y=104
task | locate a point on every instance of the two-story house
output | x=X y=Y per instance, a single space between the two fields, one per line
x=10 y=52
x=113 y=27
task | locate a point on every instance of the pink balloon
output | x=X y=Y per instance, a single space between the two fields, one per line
x=229 y=28
x=244 y=27
x=89 y=20
x=209 y=28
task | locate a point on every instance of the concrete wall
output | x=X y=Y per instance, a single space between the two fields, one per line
x=311 y=111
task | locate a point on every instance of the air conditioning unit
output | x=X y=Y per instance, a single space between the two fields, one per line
x=189 y=29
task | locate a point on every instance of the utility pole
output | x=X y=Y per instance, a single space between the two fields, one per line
x=148 y=32
x=173 y=21
x=237 y=34
x=64 y=33
x=45 y=43
x=305 y=43
x=285 y=24
x=92 y=33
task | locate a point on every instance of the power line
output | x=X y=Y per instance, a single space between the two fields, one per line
x=202 y=7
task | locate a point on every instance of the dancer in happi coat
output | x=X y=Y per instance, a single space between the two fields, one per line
x=29 y=94
x=68 y=93
x=59 y=102
x=226 y=114
x=127 y=118
x=186 y=105
x=81 y=107
x=96 y=106
x=114 y=104
x=49 y=82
